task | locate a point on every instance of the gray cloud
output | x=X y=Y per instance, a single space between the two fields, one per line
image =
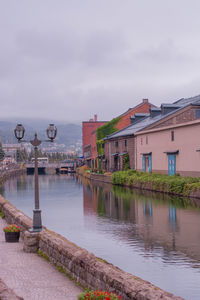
x=67 y=60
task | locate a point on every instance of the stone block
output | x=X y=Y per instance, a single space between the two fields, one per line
x=31 y=242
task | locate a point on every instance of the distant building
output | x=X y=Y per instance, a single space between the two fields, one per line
x=10 y=150
x=88 y=139
x=8 y=160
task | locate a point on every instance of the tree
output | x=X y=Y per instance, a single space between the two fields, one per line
x=21 y=155
x=31 y=155
x=2 y=153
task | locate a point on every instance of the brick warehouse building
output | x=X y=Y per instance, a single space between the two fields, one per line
x=164 y=141
x=122 y=122
x=89 y=138
x=125 y=118
x=89 y=130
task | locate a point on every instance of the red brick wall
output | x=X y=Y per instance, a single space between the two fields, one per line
x=94 y=152
x=125 y=118
x=87 y=129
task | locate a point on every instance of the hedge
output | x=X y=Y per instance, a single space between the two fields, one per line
x=164 y=183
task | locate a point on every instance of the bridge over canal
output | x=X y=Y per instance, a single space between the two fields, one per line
x=51 y=168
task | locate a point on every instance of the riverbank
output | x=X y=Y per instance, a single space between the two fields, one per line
x=77 y=263
x=12 y=171
x=174 y=185
x=27 y=274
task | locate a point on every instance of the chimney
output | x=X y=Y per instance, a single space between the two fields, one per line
x=145 y=100
x=95 y=118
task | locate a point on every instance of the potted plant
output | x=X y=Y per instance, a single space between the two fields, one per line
x=98 y=295
x=12 y=233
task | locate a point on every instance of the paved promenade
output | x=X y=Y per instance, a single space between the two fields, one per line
x=30 y=276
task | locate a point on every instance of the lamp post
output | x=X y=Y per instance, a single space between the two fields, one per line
x=19 y=134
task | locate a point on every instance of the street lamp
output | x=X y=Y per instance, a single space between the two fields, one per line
x=51 y=132
x=19 y=134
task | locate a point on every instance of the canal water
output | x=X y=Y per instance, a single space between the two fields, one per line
x=150 y=235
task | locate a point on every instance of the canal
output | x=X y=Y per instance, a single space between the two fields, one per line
x=150 y=235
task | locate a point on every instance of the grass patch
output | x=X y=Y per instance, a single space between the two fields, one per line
x=43 y=255
x=2 y=215
x=63 y=271
x=101 y=260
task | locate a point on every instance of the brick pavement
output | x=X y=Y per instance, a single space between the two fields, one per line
x=30 y=276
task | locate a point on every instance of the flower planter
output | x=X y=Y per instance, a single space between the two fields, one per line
x=12 y=237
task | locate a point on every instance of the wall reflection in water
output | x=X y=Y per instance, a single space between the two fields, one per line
x=156 y=219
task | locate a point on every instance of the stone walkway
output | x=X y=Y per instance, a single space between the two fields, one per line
x=30 y=276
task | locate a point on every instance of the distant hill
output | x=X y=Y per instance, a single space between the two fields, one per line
x=67 y=134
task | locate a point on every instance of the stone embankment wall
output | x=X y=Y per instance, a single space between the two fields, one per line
x=14 y=216
x=97 y=177
x=195 y=194
x=12 y=173
x=101 y=177
x=81 y=265
x=148 y=186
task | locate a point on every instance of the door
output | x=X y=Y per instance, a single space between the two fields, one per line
x=143 y=163
x=150 y=163
x=147 y=163
x=171 y=164
x=116 y=163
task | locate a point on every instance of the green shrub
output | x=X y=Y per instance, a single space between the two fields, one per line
x=2 y=215
x=126 y=163
x=172 y=184
x=107 y=128
x=104 y=131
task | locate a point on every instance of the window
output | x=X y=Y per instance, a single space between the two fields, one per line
x=197 y=113
x=116 y=144
x=125 y=143
x=172 y=135
x=103 y=146
x=147 y=140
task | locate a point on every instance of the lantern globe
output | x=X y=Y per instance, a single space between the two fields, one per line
x=51 y=132
x=19 y=131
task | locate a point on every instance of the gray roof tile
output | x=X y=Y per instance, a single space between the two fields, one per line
x=142 y=124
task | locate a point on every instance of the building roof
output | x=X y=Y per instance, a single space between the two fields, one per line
x=131 y=129
x=142 y=124
x=187 y=101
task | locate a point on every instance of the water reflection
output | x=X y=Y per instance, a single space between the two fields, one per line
x=153 y=218
x=148 y=234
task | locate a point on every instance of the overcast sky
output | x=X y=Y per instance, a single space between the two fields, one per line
x=67 y=60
